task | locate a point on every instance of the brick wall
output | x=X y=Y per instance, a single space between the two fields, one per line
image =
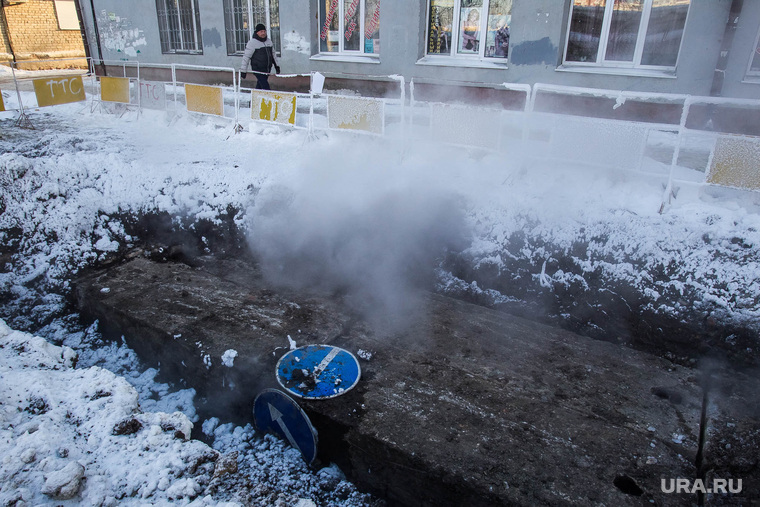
x=31 y=30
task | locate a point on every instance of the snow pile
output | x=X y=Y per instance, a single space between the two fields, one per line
x=228 y=358
x=79 y=434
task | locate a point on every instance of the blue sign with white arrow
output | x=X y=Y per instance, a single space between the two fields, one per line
x=318 y=371
x=275 y=412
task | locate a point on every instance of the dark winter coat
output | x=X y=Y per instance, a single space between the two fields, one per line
x=260 y=54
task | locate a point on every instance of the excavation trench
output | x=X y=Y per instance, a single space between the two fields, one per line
x=461 y=404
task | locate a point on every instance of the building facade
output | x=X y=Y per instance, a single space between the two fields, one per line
x=41 y=34
x=696 y=47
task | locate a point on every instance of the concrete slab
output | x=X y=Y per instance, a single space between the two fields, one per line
x=460 y=405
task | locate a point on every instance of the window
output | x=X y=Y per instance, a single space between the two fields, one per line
x=242 y=16
x=179 y=26
x=469 y=28
x=349 y=26
x=66 y=12
x=754 y=61
x=626 y=33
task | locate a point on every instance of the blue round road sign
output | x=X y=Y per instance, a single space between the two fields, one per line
x=318 y=371
x=275 y=412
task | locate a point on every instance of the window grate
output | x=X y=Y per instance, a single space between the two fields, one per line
x=179 y=26
x=240 y=18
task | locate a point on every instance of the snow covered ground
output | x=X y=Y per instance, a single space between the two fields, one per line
x=341 y=210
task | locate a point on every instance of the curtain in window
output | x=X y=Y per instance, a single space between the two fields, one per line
x=349 y=25
x=372 y=26
x=499 y=20
x=439 y=31
x=469 y=26
x=329 y=11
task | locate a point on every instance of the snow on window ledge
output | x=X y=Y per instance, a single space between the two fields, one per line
x=332 y=57
x=618 y=71
x=751 y=79
x=453 y=61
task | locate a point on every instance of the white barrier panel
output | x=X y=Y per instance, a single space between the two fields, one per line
x=610 y=143
x=356 y=114
x=735 y=162
x=277 y=107
x=469 y=126
x=152 y=95
x=62 y=90
x=114 y=89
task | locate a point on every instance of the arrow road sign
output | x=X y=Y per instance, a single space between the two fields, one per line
x=318 y=371
x=275 y=412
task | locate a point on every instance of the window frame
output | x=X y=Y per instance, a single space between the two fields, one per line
x=601 y=61
x=233 y=48
x=165 y=30
x=66 y=15
x=755 y=53
x=454 y=53
x=360 y=29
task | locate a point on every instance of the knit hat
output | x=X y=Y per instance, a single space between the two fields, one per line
x=260 y=26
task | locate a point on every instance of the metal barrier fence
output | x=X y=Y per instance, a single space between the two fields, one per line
x=53 y=88
x=694 y=140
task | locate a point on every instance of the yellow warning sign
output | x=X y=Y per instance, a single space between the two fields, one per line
x=51 y=91
x=735 y=162
x=204 y=99
x=2 y=104
x=355 y=114
x=114 y=89
x=273 y=106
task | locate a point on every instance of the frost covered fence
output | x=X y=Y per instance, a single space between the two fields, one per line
x=123 y=90
x=450 y=121
x=734 y=126
x=678 y=138
x=607 y=128
x=206 y=99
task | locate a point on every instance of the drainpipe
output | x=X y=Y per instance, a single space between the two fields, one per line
x=82 y=30
x=97 y=36
x=8 y=33
x=728 y=39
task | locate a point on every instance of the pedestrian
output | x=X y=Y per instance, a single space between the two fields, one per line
x=260 y=53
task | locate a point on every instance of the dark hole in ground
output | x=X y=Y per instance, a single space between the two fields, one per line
x=617 y=315
x=627 y=485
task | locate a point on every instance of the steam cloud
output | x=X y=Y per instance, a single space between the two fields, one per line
x=371 y=234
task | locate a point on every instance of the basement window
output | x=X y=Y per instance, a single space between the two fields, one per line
x=625 y=34
x=179 y=26
x=66 y=12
